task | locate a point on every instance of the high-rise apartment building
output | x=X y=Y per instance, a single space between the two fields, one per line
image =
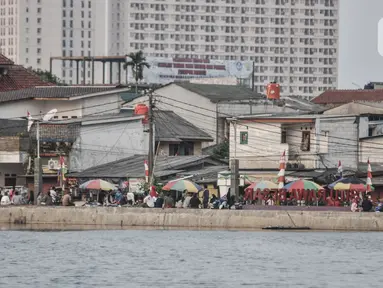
x=31 y=31
x=293 y=42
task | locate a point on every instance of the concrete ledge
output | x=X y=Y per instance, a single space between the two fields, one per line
x=189 y=218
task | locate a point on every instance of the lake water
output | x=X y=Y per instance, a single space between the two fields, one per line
x=176 y=259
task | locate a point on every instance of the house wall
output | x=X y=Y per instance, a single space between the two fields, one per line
x=104 y=143
x=108 y=104
x=78 y=108
x=14 y=168
x=342 y=141
x=371 y=149
x=264 y=147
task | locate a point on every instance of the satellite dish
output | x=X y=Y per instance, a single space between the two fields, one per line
x=30 y=121
x=50 y=115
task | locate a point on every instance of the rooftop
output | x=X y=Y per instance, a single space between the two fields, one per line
x=133 y=167
x=337 y=97
x=171 y=127
x=18 y=77
x=5 y=61
x=52 y=92
x=217 y=93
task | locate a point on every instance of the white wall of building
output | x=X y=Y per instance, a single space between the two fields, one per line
x=103 y=143
x=98 y=105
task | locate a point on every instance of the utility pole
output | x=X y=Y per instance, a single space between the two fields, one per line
x=38 y=177
x=234 y=167
x=151 y=139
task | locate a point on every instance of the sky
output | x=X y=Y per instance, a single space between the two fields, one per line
x=359 y=59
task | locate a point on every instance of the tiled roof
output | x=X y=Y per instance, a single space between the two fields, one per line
x=5 y=61
x=171 y=127
x=51 y=92
x=217 y=93
x=12 y=127
x=347 y=96
x=18 y=78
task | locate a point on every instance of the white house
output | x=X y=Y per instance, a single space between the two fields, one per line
x=203 y=104
x=310 y=141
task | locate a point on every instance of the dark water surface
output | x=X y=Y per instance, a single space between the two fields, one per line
x=176 y=259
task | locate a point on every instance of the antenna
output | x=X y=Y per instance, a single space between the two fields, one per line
x=50 y=115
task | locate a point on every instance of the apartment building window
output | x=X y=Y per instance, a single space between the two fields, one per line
x=39 y=10
x=38 y=40
x=38 y=30
x=38 y=20
x=305 y=143
x=39 y=61
x=38 y=51
x=243 y=138
x=64 y=3
x=89 y=4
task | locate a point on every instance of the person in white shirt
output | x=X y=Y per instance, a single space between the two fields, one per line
x=186 y=203
x=5 y=201
x=53 y=194
x=130 y=198
x=149 y=201
x=270 y=202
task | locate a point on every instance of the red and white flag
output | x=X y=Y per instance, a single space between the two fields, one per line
x=146 y=170
x=369 y=176
x=340 y=169
x=282 y=169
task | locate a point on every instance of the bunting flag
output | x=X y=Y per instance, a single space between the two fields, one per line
x=369 y=176
x=340 y=169
x=282 y=168
x=146 y=171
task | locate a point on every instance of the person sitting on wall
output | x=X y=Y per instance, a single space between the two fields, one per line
x=195 y=202
x=5 y=201
x=366 y=204
x=67 y=199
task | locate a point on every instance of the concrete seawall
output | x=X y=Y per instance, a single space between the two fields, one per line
x=188 y=218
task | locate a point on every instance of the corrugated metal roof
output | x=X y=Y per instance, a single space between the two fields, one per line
x=347 y=96
x=171 y=127
x=133 y=167
x=217 y=93
x=5 y=61
x=52 y=92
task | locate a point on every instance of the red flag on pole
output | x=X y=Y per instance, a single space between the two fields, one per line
x=369 y=176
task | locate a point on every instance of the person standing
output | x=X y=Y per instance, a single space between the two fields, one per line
x=168 y=202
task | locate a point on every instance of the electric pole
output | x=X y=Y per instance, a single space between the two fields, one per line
x=38 y=177
x=234 y=163
x=151 y=139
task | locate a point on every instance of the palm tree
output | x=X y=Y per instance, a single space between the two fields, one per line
x=138 y=64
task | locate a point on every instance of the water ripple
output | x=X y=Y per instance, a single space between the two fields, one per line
x=177 y=259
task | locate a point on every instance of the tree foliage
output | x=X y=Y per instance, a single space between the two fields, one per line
x=222 y=150
x=138 y=64
x=46 y=76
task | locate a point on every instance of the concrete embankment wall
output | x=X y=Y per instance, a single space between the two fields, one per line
x=188 y=218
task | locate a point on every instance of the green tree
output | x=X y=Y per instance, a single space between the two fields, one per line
x=222 y=150
x=46 y=76
x=138 y=64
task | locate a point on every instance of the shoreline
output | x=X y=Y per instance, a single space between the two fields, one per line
x=117 y=218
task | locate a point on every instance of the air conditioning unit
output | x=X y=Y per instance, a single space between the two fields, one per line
x=53 y=164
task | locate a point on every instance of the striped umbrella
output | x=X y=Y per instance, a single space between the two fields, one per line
x=98 y=184
x=369 y=177
x=302 y=185
x=282 y=169
x=182 y=185
x=262 y=185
